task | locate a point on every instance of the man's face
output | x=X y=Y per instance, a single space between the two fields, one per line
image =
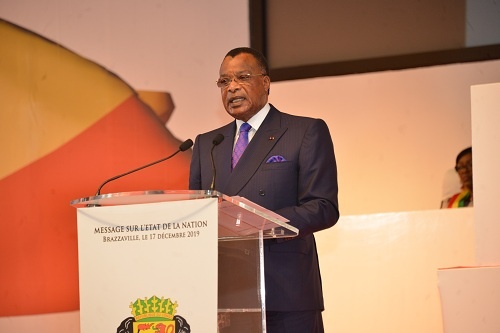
x=242 y=99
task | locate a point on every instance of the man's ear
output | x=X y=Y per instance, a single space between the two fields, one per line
x=267 y=83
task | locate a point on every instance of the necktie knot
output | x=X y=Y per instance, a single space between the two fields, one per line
x=241 y=143
x=245 y=127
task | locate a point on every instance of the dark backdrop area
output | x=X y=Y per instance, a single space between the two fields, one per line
x=303 y=39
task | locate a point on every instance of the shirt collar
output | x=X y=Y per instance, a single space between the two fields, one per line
x=256 y=120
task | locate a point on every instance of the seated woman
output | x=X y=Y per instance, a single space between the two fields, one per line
x=463 y=166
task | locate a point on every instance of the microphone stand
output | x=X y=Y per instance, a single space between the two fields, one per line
x=183 y=147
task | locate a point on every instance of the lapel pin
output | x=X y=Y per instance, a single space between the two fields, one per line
x=271 y=138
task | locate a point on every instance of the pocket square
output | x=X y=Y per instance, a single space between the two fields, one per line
x=275 y=159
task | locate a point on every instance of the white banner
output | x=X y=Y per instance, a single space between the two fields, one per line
x=149 y=267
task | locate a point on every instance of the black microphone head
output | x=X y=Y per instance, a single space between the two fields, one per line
x=186 y=145
x=218 y=139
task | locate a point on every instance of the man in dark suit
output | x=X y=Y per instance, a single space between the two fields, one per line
x=288 y=167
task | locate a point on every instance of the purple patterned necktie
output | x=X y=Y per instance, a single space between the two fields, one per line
x=241 y=144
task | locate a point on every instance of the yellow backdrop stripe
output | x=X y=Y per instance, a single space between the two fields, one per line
x=42 y=105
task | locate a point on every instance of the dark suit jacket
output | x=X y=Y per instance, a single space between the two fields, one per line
x=303 y=189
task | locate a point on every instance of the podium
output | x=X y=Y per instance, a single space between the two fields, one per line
x=173 y=261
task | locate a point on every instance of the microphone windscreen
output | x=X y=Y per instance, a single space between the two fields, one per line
x=218 y=139
x=186 y=145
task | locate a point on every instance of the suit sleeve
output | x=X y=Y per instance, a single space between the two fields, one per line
x=317 y=195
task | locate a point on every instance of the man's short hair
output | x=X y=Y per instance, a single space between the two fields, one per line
x=261 y=60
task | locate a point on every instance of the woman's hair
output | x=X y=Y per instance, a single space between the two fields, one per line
x=464 y=152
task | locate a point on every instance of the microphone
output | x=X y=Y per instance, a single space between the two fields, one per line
x=183 y=147
x=215 y=142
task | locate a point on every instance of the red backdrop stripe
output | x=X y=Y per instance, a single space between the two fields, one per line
x=38 y=241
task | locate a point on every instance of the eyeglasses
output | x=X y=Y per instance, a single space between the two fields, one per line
x=463 y=167
x=224 y=81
